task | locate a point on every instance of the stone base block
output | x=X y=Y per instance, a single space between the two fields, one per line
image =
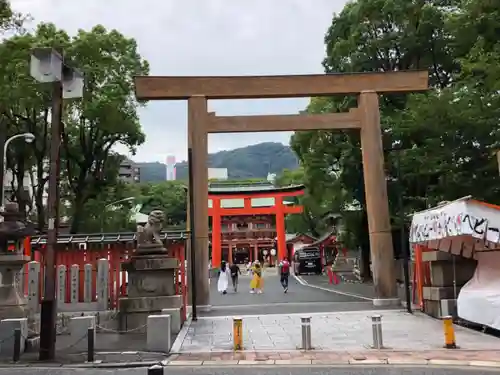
x=385 y=302
x=442 y=272
x=175 y=319
x=7 y=327
x=158 y=333
x=134 y=312
x=78 y=330
x=434 y=256
x=438 y=309
x=436 y=293
x=106 y=319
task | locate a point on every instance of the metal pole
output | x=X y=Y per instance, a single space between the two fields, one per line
x=377 y=332
x=306 y=332
x=192 y=236
x=2 y=164
x=90 y=345
x=404 y=241
x=17 y=345
x=49 y=303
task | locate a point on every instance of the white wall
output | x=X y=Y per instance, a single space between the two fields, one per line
x=217 y=173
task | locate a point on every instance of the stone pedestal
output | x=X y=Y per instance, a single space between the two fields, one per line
x=13 y=304
x=151 y=288
x=440 y=296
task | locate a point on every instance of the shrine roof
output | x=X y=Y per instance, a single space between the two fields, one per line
x=252 y=189
x=289 y=237
x=105 y=237
x=327 y=237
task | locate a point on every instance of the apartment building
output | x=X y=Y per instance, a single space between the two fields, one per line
x=129 y=171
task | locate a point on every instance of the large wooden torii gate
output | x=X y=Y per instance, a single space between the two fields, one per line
x=366 y=118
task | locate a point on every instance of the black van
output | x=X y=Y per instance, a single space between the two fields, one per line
x=307 y=260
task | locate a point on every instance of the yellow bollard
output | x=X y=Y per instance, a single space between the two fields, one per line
x=238 y=333
x=449 y=333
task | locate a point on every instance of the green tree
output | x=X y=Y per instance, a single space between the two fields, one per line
x=106 y=116
x=10 y=20
x=25 y=107
x=310 y=220
x=111 y=210
x=447 y=135
x=169 y=196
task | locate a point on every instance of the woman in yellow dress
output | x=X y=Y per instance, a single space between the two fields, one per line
x=256 y=283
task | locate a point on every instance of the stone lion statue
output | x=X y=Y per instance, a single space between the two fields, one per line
x=149 y=234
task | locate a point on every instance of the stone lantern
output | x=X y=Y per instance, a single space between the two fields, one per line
x=12 y=231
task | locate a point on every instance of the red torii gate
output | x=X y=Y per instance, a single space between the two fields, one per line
x=279 y=209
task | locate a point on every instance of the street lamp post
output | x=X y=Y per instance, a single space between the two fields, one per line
x=128 y=199
x=403 y=239
x=28 y=138
x=48 y=66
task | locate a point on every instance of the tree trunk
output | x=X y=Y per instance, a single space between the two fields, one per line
x=78 y=214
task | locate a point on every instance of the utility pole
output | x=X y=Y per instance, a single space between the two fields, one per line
x=403 y=239
x=48 y=67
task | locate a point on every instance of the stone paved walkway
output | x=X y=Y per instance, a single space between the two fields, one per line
x=340 y=331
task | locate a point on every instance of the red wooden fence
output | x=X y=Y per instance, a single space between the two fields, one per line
x=116 y=254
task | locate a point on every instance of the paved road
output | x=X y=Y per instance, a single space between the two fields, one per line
x=299 y=299
x=257 y=370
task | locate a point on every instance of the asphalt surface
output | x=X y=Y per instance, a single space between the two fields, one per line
x=258 y=370
x=298 y=299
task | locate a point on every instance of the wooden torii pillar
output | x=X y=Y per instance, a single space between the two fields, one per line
x=367 y=86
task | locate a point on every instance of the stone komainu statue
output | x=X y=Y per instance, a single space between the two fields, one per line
x=148 y=236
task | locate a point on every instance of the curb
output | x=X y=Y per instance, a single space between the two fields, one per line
x=401 y=362
x=349 y=362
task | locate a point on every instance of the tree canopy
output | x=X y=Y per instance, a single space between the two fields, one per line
x=104 y=117
x=447 y=136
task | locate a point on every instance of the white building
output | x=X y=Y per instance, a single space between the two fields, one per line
x=217 y=174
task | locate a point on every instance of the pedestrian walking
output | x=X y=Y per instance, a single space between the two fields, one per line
x=284 y=267
x=223 y=281
x=256 y=283
x=235 y=272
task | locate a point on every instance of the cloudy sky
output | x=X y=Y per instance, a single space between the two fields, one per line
x=206 y=37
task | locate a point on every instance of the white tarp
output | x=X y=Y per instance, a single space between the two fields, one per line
x=479 y=299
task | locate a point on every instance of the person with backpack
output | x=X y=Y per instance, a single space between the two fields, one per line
x=284 y=267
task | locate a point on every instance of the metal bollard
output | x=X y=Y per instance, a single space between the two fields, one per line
x=449 y=333
x=238 y=333
x=378 y=342
x=90 y=345
x=155 y=370
x=305 y=322
x=16 y=355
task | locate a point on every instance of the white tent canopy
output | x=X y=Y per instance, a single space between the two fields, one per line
x=463 y=227
x=469 y=228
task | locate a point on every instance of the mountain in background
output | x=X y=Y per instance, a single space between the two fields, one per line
x=254 y=161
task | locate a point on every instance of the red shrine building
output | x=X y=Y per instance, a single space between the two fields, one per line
x=248 y=221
